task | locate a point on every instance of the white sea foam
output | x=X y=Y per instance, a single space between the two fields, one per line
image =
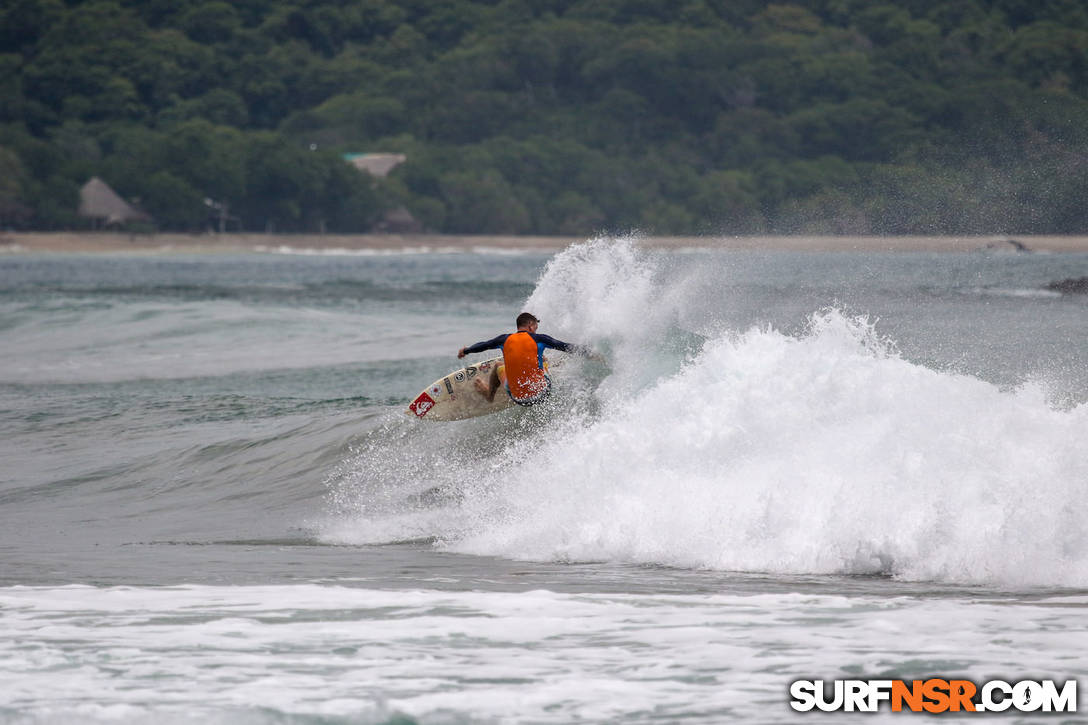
x=819 y=454
x=348 y=252
x=311 y=653
x=823 y=452
x=1018 y=292
x=390 y=251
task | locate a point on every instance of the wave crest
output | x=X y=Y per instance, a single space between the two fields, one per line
x=821 y=452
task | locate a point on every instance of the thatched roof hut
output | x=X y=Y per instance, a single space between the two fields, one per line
x=378 y=165
x=99 y=202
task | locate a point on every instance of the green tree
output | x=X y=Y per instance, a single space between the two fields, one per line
x=352 y=201
x=482 y=203
x=24 y=22
x=350 y=121
x=54 y=201
x=558 y=115
x=173 y=203
x=11 y=89
x=726 y=202
x=1051 y=55
x=213 y=22
x=14 y=211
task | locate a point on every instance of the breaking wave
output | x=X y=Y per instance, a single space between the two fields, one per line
x=820 y=451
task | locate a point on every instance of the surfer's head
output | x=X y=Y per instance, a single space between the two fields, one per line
x=525 y=319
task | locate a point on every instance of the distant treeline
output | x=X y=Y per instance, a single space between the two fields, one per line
x=553 y=116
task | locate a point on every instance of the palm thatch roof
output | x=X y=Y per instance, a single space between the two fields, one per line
x=101 y=203
x=378 y=165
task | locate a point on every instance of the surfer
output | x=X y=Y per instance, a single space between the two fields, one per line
x=524 y=371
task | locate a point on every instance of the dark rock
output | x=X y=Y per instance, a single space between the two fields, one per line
x=1072 y=286
x=1008 y=245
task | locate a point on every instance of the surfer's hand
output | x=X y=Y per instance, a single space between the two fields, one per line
x=460 y=353
x=596 y=357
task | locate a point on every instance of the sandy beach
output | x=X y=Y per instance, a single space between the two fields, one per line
x=89 y=242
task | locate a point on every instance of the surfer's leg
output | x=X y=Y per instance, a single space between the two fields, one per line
x=494 y=381
x=498 y=379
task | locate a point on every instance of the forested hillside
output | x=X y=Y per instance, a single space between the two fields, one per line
x=553 y=116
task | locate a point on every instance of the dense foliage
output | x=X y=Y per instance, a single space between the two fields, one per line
x=553 y=116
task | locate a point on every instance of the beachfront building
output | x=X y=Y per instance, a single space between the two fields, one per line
x=377 y=165
x=397 y=220
x=101 y=204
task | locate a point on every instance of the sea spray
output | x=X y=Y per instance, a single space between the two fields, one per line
x=820 y=451
x=808 y=455
x=628 y=302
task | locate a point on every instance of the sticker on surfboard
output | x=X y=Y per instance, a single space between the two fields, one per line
x=421 y=405
x=454 y=396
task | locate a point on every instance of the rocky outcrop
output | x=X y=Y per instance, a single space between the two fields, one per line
x=1008 y=245
x=1072 y=286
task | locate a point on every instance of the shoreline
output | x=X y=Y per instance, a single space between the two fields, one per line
x=95 y=242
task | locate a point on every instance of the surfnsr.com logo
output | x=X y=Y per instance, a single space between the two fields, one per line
x=934 y=695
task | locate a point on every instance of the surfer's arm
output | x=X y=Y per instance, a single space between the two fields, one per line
x=491 y=344
x=549 y=341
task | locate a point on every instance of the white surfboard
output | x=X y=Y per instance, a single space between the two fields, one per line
x=455 y=397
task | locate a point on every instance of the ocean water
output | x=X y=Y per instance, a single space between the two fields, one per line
x=213 y=507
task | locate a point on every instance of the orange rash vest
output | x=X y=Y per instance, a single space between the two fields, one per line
x=524 y=359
